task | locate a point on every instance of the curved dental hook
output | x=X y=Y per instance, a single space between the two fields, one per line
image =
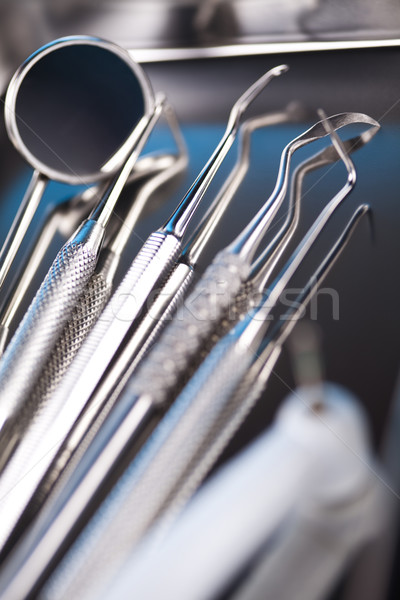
x=207 y=225
x=268 y=259
x=256 y=328
x=178 y=222
x=247 y=242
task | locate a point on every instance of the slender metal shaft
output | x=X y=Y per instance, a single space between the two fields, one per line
x=103 y=211
x=21 y=223
x=178 y=222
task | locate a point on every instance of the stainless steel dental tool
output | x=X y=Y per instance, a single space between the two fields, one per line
x=63 y=219
x=208 y=303
x=64 y=410
x=210 y=300
x=20 y=484
x=27 y=566
x=170 y=295
x=99 y=288
x=75 y=110
x=37 y=334
x=42 y=324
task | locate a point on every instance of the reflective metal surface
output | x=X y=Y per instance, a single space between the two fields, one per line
x=361 y=337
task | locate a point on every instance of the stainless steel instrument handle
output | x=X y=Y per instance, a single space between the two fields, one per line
x=39 y=330
x=84 y=316
x=152 y=479
x=192 y=325
x=143 y=338
x=51 y=426
x=95 y=412
x=45 y=438
x=146 y=275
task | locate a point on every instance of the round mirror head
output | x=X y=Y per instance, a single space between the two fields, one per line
x=72 y=105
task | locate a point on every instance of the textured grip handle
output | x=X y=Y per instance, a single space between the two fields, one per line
x=148 y=271
x=225 y=424
x=162 y=318
x=106 y=395
x=150 y=328
x=39 y=330
x=20 y=467
x=84 y=372
x=155 y=476
x=193 y=324
x=84 y=315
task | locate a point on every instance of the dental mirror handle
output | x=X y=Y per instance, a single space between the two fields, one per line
x=29 y=269
x=42 y=324
x=98 y=290
x=21 y=223
x=37 y=333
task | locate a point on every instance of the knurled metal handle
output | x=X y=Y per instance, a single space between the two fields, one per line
x=46 y=435
x=124 y=311
x=20 y=468
x=192 y=325
x=75 y=444
x=37 y=334
x=155 y=476
x=84 y=316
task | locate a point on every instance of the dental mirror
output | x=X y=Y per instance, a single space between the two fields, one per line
x=74 y=110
